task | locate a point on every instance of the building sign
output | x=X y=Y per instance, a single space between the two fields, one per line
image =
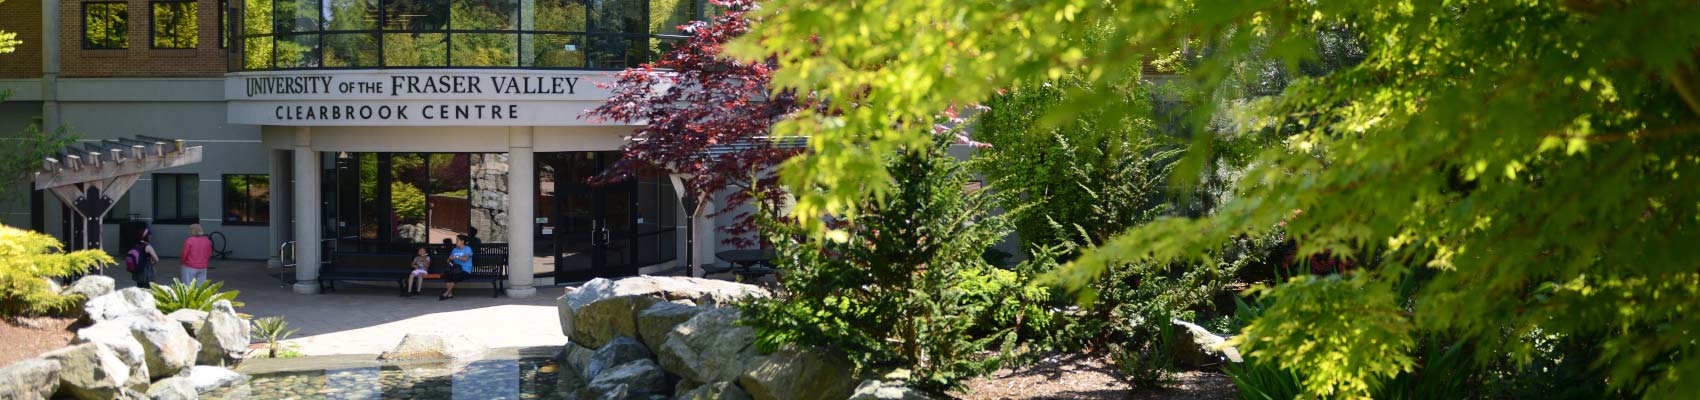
x=414 y=97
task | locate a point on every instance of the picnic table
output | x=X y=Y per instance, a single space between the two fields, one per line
x=747 y=264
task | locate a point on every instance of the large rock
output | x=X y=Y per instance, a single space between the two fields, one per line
x=190 y=318
x=168 y=348
x=1195 y=347
x=574 y=358
x=603 y=320
x=224 y=337
x=207 y=377
x=91 y=371
x=877 y=390
x=633 y=380
x=90 y=287
x=655 y=322
x=173 y=388
x=30 y=379
x=714 y=391
x=699 y=291
x=799 y=374
x=120 y=304
x=435 y=346
x=710 y=347
x=115 y=334
x=617 y=352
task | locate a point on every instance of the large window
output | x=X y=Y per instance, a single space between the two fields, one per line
x=106 y=25
x=175 y=24
x=176 y=198
x=390 y=201
x=575 y=34
x=247 y=199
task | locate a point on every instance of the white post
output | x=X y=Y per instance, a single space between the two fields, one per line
x=279 y=213
x=521 y=171
x=306 y=212
x=705 y=240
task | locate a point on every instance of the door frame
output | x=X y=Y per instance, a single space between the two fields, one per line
x=602 y=238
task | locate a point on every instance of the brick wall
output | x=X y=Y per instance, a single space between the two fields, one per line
x=22 y=17
x=139 y=60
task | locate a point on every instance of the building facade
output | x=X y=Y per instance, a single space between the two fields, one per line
x=361 y=126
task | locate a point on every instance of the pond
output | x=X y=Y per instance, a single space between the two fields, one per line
x=501 y=375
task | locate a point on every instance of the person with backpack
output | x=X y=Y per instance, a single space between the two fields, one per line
x=197 y=251
x=140 y=261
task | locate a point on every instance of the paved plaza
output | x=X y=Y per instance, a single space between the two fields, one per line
x=368 y=319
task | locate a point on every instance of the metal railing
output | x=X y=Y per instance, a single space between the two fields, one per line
x=286 y=252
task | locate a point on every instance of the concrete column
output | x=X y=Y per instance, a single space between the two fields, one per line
x=279 y=213
x=521 y=172
x=50 y=118
x=306 y=212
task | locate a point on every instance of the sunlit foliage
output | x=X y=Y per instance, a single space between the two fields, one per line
x=27 y=259
x=1526 y=165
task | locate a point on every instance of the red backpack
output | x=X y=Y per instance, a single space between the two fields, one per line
x=132 y=258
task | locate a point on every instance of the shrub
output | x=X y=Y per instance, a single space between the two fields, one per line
x=27 y=260
x=905 y=287
x=274 y=330
x=198 y=295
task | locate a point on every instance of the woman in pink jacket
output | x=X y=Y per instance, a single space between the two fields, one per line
x=197 y=249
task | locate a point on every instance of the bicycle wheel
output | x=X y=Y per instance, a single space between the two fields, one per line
x=220 y=245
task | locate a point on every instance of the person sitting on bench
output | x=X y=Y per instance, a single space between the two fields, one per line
x=416 y=279
x=460 y=265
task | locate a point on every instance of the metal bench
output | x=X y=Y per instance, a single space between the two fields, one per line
x=489 y=267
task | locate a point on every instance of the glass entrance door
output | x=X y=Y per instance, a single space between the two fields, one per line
x=585 y=229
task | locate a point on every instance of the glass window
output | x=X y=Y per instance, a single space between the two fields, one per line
x=559 y=16
x=175 y=24
x=617 y=16
x=176 y=198
x=407 y=197
x=447 y=196
x=665 y=16
x=416 y=15
x=106 y=25
x=415 y=50
x=478 y=15
x=223 y=23
x=351 y=50
x=554 y=51
x=247 y=199
x=297 y=16
x=485 y=49
x=489 y=196
x=350 y=15
x=297 y=51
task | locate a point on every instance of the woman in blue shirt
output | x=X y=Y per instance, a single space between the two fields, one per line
x=461 y=257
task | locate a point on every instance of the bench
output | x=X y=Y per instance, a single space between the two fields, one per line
x=490 y=266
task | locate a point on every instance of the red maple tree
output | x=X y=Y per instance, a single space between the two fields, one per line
x=707 y=117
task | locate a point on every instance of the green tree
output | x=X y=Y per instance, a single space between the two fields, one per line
x=1522 y=167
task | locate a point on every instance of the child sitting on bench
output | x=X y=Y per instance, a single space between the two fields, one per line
x=416 y=279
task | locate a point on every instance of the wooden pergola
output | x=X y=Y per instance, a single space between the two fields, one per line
x=93 y=175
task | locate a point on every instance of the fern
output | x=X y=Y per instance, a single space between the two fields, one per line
x=198 y=296
x=27 y=259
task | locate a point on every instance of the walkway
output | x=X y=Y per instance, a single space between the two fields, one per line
x=361 y=319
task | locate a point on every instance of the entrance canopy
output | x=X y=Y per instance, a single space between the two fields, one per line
x=92 y=176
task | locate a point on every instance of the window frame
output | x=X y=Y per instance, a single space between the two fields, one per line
x=180 y=219
x=248 y=191
x=153 y=24
x=89 y=44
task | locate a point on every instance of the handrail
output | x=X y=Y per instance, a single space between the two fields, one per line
x=286 y=252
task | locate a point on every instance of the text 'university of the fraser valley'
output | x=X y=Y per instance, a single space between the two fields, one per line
x=400 y=85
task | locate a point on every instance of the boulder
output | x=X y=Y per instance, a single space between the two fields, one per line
x=574 y=358
x=617 y=352
x=207 y=377
x=1197 y=348
x=697 y=290
x=709 y=347
x=31 y=379
x=655 y=322
x=120 y=304
x=91 y=371
x=435 y=346
x=90 y=287
x=168 y=348
x=173 y=388
x=878 y=390
x=714 y=391
x=191 y=319
x=115 y=334
x=799 y=374
x=224 y=337
x=602 y=320
x=636 y=379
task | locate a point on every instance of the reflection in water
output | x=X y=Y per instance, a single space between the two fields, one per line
x=528 y=378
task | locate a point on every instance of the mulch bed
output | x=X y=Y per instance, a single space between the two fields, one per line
x=28 y=337
x=1087 y=376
